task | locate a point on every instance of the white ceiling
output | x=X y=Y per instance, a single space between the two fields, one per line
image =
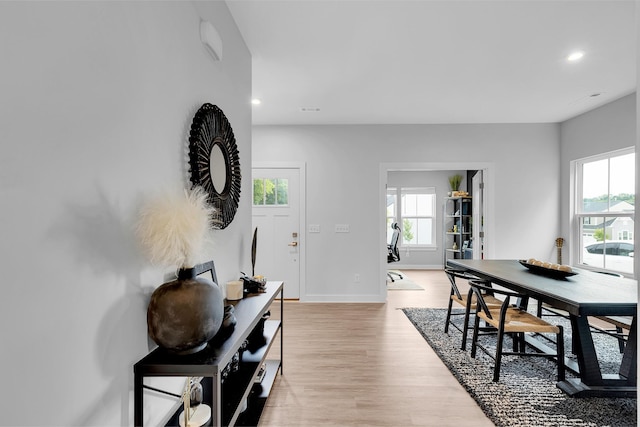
x=427 y=61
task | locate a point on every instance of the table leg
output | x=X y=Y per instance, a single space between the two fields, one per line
x=216 y=399
x=137 y=400
x=629 y=366
x=591 y=382
x=585 y=351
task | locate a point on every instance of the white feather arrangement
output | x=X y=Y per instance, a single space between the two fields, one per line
x=172 y=228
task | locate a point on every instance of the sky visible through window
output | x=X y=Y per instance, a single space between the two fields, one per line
x=622 y=179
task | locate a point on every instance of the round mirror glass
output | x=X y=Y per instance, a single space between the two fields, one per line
x=218 y=168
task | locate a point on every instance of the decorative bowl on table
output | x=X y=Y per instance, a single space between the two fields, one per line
x=555 y=271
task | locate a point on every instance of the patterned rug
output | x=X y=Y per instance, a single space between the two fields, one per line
x=526 y=394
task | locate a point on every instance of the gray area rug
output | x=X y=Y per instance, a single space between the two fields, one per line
x=526 y=394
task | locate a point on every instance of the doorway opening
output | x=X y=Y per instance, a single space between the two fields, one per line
x=432 y=251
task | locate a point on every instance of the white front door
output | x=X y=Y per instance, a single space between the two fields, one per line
x=276 y=216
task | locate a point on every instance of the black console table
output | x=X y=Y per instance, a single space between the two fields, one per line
x=225 y=398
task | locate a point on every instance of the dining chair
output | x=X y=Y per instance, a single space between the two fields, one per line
x=515 y=321
x=466 y=300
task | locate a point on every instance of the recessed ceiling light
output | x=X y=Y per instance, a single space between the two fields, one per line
x=575 y=56
x=256 y=101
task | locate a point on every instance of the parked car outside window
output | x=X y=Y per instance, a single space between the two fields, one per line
x=610 y=255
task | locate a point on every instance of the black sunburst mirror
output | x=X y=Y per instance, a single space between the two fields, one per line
x=214 y=162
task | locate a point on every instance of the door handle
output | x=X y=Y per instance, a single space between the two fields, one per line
x=293 y=244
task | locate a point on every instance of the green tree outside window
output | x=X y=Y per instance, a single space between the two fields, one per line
x=407 y=232
x=599 y=235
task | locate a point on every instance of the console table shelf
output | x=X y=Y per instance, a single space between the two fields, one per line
x=225 y=397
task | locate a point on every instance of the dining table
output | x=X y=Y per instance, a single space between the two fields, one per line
x=581 y=293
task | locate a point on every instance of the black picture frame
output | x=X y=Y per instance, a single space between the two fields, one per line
x=207 y=267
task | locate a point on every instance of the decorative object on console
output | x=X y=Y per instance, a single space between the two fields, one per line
x=254 y=248
x=186 y=313
x=261 y=373
x=234 y=290
x=183 y=314
x=195 y=413
x=253 y=285
x=234 y=363
x=228 y=324
x=196 y=394
x=214 y=162
x=256 y=338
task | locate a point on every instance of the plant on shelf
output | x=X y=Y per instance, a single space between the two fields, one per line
x=454 y=182
x=186 y=313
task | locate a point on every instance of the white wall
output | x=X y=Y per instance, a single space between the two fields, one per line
x=636 y=263
x=608 y=128
x=96 y=103
x=343 y=168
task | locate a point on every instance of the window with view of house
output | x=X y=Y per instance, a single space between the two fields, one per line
x=605 y=187
x=414 y=211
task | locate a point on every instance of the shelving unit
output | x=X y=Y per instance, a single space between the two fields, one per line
x=457 y=228
x=226 y=397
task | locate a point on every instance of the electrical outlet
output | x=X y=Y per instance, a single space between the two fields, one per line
x=356 y=278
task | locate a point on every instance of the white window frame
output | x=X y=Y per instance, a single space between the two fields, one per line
x=394 y=217
x=579 y=215
x=399 y=192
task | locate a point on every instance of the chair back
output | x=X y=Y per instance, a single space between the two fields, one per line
x=481 y=288
x=393 y=251
x=452 y=274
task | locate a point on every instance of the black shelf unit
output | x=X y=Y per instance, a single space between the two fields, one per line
x=457 y=212
x=225 y=397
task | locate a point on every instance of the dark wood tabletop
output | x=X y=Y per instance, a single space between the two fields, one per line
x=587 y=293
x=584 y=294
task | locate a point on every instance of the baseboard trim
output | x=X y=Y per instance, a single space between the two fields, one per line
x=396 y=266
x=344 y=298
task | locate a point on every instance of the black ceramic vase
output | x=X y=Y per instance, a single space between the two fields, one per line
x=184 y=314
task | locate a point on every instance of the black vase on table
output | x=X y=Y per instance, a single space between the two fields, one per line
x=184 y=314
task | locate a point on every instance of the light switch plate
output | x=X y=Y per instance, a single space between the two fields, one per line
x=342 y=228
x=314 y=228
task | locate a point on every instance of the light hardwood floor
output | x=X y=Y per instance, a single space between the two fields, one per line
x=366 y=365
